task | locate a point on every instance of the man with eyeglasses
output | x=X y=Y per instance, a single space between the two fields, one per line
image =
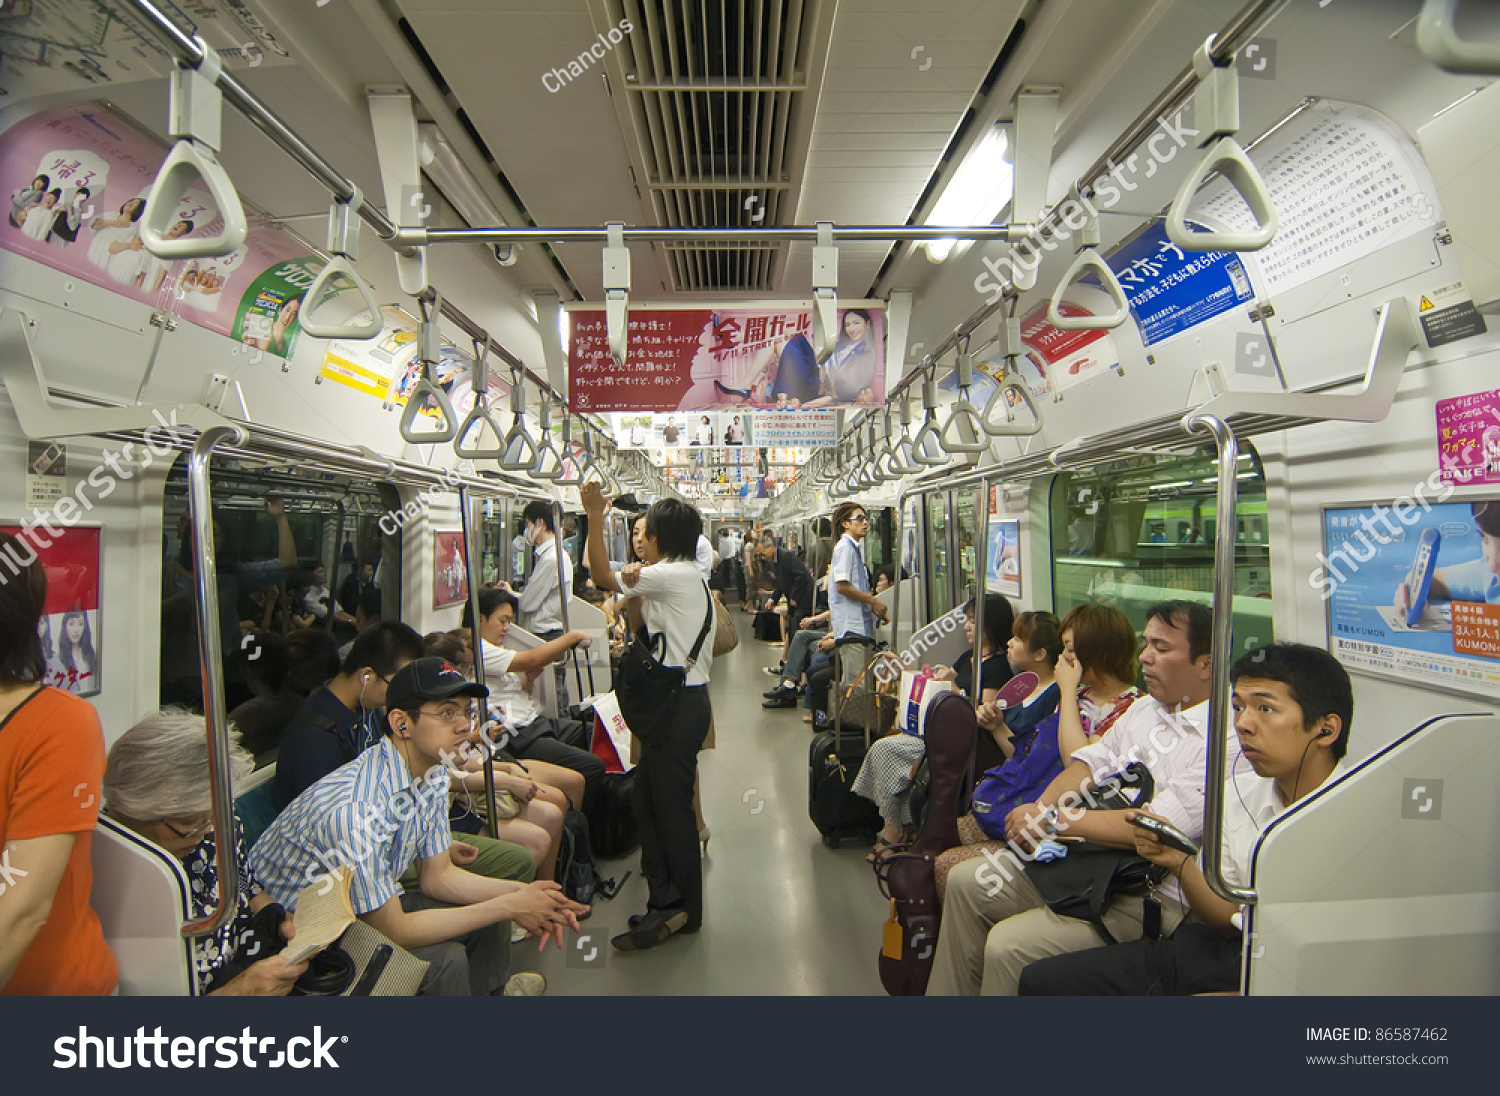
x=388 y=810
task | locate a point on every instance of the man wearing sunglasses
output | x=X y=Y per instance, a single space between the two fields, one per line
x=852 y=607
x=387 y=810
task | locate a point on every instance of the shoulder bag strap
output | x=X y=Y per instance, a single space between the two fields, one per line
x=708 y=623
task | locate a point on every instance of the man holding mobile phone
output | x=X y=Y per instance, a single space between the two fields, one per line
x=1293 y=707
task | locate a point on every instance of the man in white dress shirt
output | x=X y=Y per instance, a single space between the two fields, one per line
x=1293 y=707
x=995 y=921
x=541 y=601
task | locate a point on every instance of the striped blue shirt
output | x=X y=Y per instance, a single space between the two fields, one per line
x=369 y=816
x=845 y=615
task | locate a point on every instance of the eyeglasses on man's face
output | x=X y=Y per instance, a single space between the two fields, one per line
x=452 y=716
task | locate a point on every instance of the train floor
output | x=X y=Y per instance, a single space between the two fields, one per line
x=783 y=913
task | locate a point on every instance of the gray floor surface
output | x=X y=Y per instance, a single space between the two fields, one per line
x=784 y=914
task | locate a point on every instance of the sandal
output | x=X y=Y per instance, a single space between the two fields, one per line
x=882 y=849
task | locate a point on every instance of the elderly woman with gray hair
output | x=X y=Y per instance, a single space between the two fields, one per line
x=156 y=782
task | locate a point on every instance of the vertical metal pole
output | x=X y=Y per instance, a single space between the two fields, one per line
x=211 y=667
x=471 y=565
x=333 y=572
x=1222 y=656
x=981 y=561
x=896 y=597
x=564 y=594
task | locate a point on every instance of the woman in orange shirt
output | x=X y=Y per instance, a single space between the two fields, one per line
x=51 y=768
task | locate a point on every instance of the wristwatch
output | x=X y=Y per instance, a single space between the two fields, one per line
x=1049 y=820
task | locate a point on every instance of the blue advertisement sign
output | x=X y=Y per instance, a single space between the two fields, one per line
x=1412 y=590
x=1171 y=290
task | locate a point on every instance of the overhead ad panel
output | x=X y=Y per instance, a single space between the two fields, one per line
x=726 y=359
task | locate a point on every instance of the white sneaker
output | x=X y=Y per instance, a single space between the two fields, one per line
x=526 y=984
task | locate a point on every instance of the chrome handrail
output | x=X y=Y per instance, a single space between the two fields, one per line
x=211 y=667
x=1217 y=762
x=476 y=637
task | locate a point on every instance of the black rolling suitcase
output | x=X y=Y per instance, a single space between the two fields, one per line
x=834 y=760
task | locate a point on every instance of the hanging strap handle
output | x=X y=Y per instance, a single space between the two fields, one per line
x=429 y=347
x=480 y=414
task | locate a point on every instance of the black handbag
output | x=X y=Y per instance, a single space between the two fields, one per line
x=646 y=690
x=1085 y=882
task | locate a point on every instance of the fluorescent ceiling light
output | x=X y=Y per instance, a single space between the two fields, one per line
x=562 y=328
x=441 y=163
x=978 y=191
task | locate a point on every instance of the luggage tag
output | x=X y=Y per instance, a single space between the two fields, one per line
x=891 y=936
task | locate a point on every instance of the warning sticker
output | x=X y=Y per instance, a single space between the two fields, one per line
x=1448 y=315
x=46 y=473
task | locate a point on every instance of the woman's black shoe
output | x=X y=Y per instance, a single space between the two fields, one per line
x=651 y=930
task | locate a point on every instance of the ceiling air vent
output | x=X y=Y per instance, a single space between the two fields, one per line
x=718 y=91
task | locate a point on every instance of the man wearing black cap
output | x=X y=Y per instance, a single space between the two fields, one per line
x=388 y=808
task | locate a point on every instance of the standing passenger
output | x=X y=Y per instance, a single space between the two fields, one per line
x=674 y=599
x=51 y=773
x=541 y=600
x=852 y=607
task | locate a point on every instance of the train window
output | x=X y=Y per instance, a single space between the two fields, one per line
x=266 y=563
x=1140 y=531
x=964 y=520
x=939 y=597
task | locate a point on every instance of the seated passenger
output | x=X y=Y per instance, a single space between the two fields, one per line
x=1293 y=708
x=387 y=812
x=1072 y=705
x=527 y=733
x=157 y=784
x=344 y=716
x=51 y=765
x=312 y=659
x=885 y=777
x=262 y=720
x=995 y=920
x=812 y=635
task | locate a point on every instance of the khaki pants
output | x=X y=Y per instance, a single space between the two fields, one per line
x=995 y=923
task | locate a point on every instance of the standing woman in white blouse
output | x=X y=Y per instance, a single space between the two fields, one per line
x=674 y=600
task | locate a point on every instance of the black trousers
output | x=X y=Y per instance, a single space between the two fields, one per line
x=1194 y=959
x=566 y=744
x=663 y=801
x=819 y=682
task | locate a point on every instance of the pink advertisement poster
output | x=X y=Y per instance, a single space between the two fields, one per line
x=77 y=179
x=726 y=359
x=1468 y=430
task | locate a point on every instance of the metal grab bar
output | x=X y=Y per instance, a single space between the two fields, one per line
x=1439 y=42
x=542 y=469
x=211 y=667
x=476 y=638
x=185 y=162
x=196 y=109
x=429 y=348
x=479 y=383
x=1222 y=645
x=563 y=596
x=1086 y=260
x=1229 y=160
x=520 y=446
x=981 y=567
x=343 y=245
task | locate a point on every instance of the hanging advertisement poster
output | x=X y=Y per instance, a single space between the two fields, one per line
x=1468 y=430
x=1171 y=291
x=726 y=359
x=69 y=627
x=77 y=179
x=648 y=431
x=450 y=570
x=797 y=429
x=1003 y=569
x=1412 y=591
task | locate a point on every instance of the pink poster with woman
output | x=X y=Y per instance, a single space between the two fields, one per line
x=77 y=179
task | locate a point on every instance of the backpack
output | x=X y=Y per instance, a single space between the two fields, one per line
x=576 y=870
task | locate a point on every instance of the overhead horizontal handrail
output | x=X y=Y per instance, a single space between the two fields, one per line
x=196 y=110
x=520 y=446
x=1248 y=23
x=429 y=348
x=1216 y=115
x=343 y=246
x=1438 y=39
x=480 y=415
x=1088 y=260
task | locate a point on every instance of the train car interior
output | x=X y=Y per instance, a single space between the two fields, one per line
x=970 y=333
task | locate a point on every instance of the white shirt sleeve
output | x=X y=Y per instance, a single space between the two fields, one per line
x=540 y=585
